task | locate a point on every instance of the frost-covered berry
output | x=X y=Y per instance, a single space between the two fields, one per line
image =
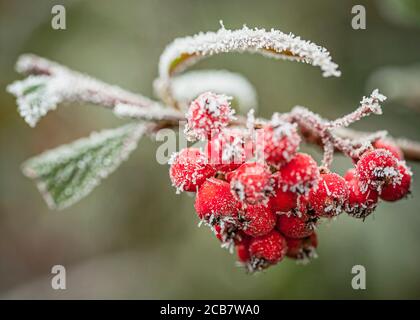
x=257 y=220
x=280 y=142
x=360 y=204
x=376 y=169
x=298 y=175
x=208 y=114
x=252 y=183
x=390 y=146
x=226 y=151
x=242 y=249
x=266 y=250
x=398 y=191
x=214 y=201
x=302 y=207
x=283 y=201
x=217 y=229
x=189 y=169
x=293 y=226
x=350 y=174
x=330 y=195
x=303 y=249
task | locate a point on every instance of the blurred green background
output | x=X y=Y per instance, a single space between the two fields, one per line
x=133 y=237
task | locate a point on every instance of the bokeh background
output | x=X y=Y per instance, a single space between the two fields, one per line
x=133 y=237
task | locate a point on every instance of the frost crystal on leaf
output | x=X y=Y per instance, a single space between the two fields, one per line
x=36 y=95
x=70 y=172
x=183 y=52
x=53 y=84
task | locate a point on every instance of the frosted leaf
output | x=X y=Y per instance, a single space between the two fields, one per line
x=188 y=86
x=183 y=52
x=36 y=95
x=53 y=84
x=70 y=172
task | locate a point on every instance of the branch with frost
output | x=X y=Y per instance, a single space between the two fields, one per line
x=401 y=84
x=70 y=172
x=308 y=121
x=368 y=105
x=49 y=84
x=410 y=148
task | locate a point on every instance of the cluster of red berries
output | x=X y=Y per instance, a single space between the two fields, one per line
x=264 y=198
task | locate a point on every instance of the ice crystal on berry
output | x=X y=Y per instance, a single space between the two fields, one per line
x=330 y=195
x=252 y=183
x=189 y=169
x=376 y=169
x=208 y=114
x=397 y=191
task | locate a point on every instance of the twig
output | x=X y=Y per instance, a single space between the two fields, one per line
x=323 y=130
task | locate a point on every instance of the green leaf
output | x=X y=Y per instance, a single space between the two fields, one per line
x=70 y=172
x=36 y=95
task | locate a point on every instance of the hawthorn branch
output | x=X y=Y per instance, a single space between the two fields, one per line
x=72 y=86
x=410 y=148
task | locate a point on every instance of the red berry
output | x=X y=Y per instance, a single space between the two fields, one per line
x=226 y=151
x=299 y=174
x=302 y=249
x=208 y=114
x=280 y=142
x=242 y=249
x=189 y=169
x=257 y=220
x=398 y=191
x=350 y=174
x=217 y=229
x=283 y=201
x=376 y=169
x=391 y=147
x=214 y=201
x=329 y=197
x=267 y=250
x=296 y=227
x=359 y=204
x=252 y=183
x=302 y=207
